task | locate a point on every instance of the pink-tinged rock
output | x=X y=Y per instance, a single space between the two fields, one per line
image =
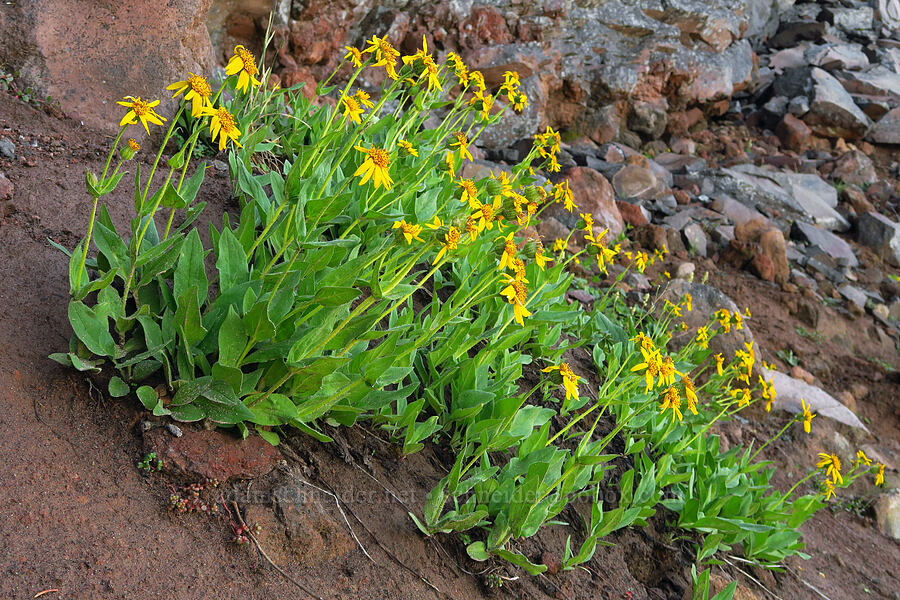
x=632 y=213
x=593 y=194
x=6 y=188
x=88 y=55
x=213 y=454
x=762 y=267
x=793 y=133
x=774 y=248
x=637 y=181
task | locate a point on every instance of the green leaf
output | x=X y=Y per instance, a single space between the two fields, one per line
x=231 y=261
x=190 y=272
x=95 y=285
x=232 y=339
x=187 y=317
x=520 y=560
x=476 y=551
x=335 y=296
x=92 y=329
x=118 y=388
x=148 y=397
x=205 y=397
x=268 y=435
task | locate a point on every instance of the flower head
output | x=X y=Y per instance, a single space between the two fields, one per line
x=469 y=193
x=408 y=230
x=651 y=367
x=862 y=459
x=569 y=379
x=672 y=401
x=451 y=242
x=354 y=55
x=690 y=393
x=828 y=489
x=352 y=109
x=243 y=65
x=703 y=337
x=462 y=142
x=140 y=110
x=198 y=92
x=879 y=476
x=222 y=126
x=832 y=465
x=407 y=147
x=807 y=415
x=509 y=252
x=720 y=360
x=375 y=167
x=516 y=294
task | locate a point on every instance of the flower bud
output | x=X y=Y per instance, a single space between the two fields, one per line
x=530 y=249
x=494 y=187
x=534 y=193
x=127 y=151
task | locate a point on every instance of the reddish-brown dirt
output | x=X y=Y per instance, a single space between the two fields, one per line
x=81 y=519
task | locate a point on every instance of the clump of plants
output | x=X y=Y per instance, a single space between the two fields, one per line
x=376 y=272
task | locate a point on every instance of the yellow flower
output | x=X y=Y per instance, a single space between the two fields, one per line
x=651 y=367
x=719 y=361
x=363 y=98
x=486 y=102
x=133 y=145
x=562 y=193
x=198 y=95
x=509 y=251
x=807 y=416
x=747 y=313
x=354 y=55
x=862 y=459
x=559 y=245
x=640 y=259
x=459 y=67
x=738 y=321
x=667 y=371
x=516 y=294
x=724 y=317
x=518 y=267
x=375 y=167
x=471 y=228
x=243 y=64
x=703 y=337
x=569 y=379
x=687 y=301
x=879 y=476
x=672 y=401
x=477 y=78
x=410 y=232
x=690 y=393
x=140 y=110
x=462 y=142
x=743 y=397
x=832 y=464
x=520 y=102
x=469 y=193
x=486 y=214
x=644 y=342
x=588 y=219
x=539 y=257
x=352 y=109
x=829 y=489
x=451 y=242
x=382 y=48
x=408 y=148
x=450 y=164
x=674 y=308
x=222 y=125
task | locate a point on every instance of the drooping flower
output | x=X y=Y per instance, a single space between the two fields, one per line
x=862 y=459
x=375 y=167
x=222 y=126
x=520 y=102
x=408 y=148
x=451 y=242
x=673 y=308
x=667 y=371
x=243 y=65
x=352 y=109
x=487 y=214
x=462 y=142
x=644 y=342
x=363 y=98
x=559 y=245
x=703 y=337
x=720 y=360
x=469 y=193
x=198 y=92
x=832 y=465
x=354 y=55
x=569 y=379
x=509 y=252
x=743 y=397
x=518 y=267
x=807 y=416
x=879 y=476
x=140 y=110
x=672 y=400
x=690 y=393
x=650 y=367
x=687 y=301
x=410 y=232
x=385 y=54
x=562 y=193
x=516 y=294
x=828 y=489
x=539 y=257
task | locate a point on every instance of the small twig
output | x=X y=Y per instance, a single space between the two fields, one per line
x=269 y=560
x=338 y=503
x=384 y=487
x=39 y=594
x=806 y=583
x=753 y=579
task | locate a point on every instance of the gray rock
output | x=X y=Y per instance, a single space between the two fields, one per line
x=680 y=163
x=789 y=391
x=877 y=81
x=798 y=106
x=722 y=234
x=887 y=514
x=827 y=241
x=7 y=148
x=685 y=271
x=827 y=266
x=837 y=56
x=804 y=196
x=882 y=235
x=695 y=239
x=854 y=295
x=795 y=81
x=889 y=13
x=777 y=105
x=737 y=212
x=638 y=281
x=649 y=118
x=852 y=20
x=790 y=58
x=678 y=221
x=832 y=112
x=894 y=310
x=887 y=129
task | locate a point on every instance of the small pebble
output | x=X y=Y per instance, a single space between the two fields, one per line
x=174 y=429
x=7 y=148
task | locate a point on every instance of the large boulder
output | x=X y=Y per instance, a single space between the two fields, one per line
x=832 y=112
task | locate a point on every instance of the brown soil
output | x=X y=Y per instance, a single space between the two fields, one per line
x=82 y=520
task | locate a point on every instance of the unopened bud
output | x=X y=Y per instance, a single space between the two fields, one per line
x=494 y=187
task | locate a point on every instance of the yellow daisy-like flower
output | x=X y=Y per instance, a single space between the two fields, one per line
x=198 y=94
x=469 y=193
x=354 y=55
x=539 y=257
x=352 y=109
x=640 y=259
x=385 y=54
x=450 y=164
x=569 y=379
x=518 y=267
x=486 y=102
x=451 y=242
x=516 y=294
x=243 y=65
x=133 y=145
x=477 y=78
x=222 y=126
x=140 y=110
x=588 y=219
x=644 y=342
x=724 y=317
x=672 y=400
x=690 y=393
x=673 y=308
x=862 y=459
x=472 y=228
x=832 y=465
x=667 y=371
x=408 y=148
x=703 y=337
x=879 y=476
x=462 y=142
x=410 y=232
x=743 y=397
x=807 y=416
x=738 y=321
x=509 y=252
x=375 y=167
x=559 y=245
x=520 y=102
x=829 y=489
x=562 y=193
x=687 y=300
x=487 y=214
x=364 y=98
x=720 y=360
x=650 y=367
